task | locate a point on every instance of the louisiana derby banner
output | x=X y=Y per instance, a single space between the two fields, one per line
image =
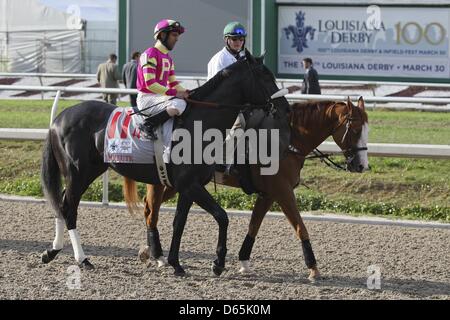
x=365 y=41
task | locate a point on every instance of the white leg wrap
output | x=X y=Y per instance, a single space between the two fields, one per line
x=58 y=243
x=76 y=244
x=245 y=266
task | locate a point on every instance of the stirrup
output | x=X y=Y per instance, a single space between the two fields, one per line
x=228 y=169
x=148 y=132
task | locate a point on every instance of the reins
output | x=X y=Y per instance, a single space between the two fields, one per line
x=324 y=157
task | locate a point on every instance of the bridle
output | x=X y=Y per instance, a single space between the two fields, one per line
x=269 y=104
x=349 y=153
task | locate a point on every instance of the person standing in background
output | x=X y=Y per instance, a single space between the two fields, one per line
x=108 y=76
x=311 y=78
x=129 y=76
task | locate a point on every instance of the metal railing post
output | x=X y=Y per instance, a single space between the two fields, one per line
x=105 y=200
x=42 y=84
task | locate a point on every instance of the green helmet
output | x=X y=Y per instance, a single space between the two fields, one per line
x=234 y=29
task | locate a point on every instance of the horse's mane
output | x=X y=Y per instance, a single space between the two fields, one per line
x=209 y=86
x=310 y=112
x=212 y=84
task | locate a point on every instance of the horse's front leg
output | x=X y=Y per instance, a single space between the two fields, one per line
x=288 y=204
x=262 y=205
x=204 y=199
x=183 y=206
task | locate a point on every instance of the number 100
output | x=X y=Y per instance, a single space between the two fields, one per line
x=402 y=33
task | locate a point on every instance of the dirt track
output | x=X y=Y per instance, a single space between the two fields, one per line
x=415 y=263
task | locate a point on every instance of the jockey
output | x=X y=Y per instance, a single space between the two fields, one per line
x=160 y=94
x=234 y=35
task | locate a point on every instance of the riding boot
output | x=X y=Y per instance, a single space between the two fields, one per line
x=245 y=179
x=148 y=127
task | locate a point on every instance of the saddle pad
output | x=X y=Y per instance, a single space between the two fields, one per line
x=124 y=142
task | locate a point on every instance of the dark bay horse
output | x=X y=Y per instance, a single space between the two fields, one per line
x=311 y=123
x=75 y=147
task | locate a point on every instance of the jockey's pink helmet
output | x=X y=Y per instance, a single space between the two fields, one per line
x=168 y=25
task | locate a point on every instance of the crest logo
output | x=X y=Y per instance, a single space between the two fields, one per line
x=299 y=32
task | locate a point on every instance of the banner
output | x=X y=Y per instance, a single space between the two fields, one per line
x=365 y=41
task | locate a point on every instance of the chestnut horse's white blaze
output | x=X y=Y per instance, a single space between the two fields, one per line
x=362 y=143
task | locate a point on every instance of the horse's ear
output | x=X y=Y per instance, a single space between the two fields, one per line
x=361 y=103
x=349 y=106
x=261 y=58
x=250 y=58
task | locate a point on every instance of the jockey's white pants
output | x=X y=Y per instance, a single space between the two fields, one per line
x=154 y=103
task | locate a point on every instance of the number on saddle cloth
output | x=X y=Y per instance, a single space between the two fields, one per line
x=124 y=142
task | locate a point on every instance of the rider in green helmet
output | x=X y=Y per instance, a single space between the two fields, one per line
x=234 y=35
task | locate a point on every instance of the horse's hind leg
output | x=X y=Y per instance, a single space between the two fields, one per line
x=77 y=182
x=262 y=205
x=289 y=207
x=154 y=199
x=58 y=243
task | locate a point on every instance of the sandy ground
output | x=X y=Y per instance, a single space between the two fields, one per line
x=415 y=263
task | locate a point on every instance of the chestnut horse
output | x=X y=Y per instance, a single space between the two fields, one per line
x=311 y=123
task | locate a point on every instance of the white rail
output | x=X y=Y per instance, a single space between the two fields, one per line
x=290 y=97
x=429 y=151
x=200 y=79
x=302 y=97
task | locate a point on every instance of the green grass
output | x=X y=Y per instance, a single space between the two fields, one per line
x=385 y=126
x=31 y=113
x=411 y=188
x=409 y=127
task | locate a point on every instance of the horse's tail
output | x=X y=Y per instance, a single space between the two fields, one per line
x=130 y=193
x=51 y=175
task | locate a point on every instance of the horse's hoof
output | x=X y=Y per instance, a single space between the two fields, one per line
x=179 y=272
x=48 y=256
x=45 y=257
x=162 y=262
x=245 y=267
x=217 y=270
x=314 y=276
x=86 y=265
x=144 y=254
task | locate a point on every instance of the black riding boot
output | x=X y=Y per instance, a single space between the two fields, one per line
x=150 y=124
x=245 y=178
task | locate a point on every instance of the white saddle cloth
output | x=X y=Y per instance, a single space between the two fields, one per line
x=124 y=142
